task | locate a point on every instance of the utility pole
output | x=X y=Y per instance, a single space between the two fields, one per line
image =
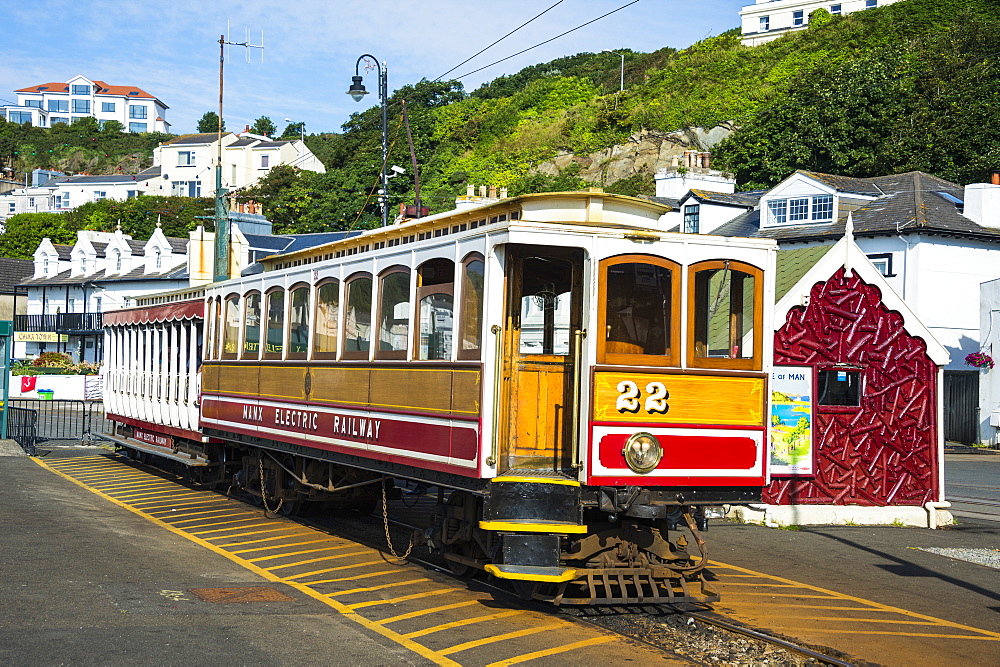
x=221 y=264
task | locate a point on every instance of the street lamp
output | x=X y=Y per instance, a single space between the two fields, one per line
x=302 y=129
x=621 y=80
x=357 y=92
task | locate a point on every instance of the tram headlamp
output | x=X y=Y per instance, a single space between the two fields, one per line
x=642 y=452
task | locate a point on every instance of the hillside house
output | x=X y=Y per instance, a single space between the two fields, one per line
x=767 y=20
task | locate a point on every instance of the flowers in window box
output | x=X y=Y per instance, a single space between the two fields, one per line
x=979 y=360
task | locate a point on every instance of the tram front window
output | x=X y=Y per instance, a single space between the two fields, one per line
x=546 y=304
x=638 y=309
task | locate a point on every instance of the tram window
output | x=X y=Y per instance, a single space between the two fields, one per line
x=251 y=330
x=327 y=314
x=726 y=312
x=394 y=315
x=473 y=287
x=231 y=327
x=640 y=295
x=216 y=328
x=358 y=318
x=436 y=292
x=298 y=323
x=274 y=338
x=546 y=305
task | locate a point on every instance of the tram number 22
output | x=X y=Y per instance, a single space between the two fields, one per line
x=629 y=397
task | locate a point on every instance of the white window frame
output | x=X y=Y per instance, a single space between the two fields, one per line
x=765 y=24
x=836 y=9
x=798 y=18
x=185 y=158
x=692 y=218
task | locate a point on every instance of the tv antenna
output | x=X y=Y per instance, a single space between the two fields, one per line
x=221 y=265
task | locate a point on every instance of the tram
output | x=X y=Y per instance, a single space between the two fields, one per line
x=583 y=388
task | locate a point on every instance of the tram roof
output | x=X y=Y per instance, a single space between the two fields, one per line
x=534 y=202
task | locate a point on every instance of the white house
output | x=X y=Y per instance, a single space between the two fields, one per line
x=187 y=163
x=989 y=378
x=46 y=104
x=770 y=19
x=933 y=240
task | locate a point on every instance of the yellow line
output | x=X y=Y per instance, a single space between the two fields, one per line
x=432 y=610
x=238 y=512
x=260 y=532
x=166 y=492
x=220 y=523
x=369 y=589
x=894 y=634
x=138 y=484
x=821 y=606
x=318 y=560
x=159 y=501
x=296 y=553
x=358 y=576
x=756 y=584
x=329 y=569
x=263 y=539
x=464 y=621
x=497 y=638
x=552 y=651
x=888 y=621
x=781 y=595
x=275 y=546
x=170 y=507
x=852 y=598
x=346 y=611
x=169 y=513
x=226 y=530
x=415 y=596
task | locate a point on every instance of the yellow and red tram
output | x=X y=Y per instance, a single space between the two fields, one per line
x=579 y=383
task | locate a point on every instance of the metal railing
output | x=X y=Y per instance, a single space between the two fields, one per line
x=77 y=422
x=60 y=323
x=22 y=427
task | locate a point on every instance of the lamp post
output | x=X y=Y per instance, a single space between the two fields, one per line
x=357 y=92
x=621 y=80
x=302 y=129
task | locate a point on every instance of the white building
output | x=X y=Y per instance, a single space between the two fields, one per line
x=770 y=19
x=933 y=240
x=49 y=103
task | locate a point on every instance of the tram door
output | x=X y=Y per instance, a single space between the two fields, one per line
x=544 y=314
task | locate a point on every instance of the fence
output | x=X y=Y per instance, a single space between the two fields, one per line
x=74 y=422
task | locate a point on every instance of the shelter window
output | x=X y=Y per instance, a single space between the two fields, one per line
x=725 y=315
x=839 y=387
x=436 y=294
x=641 y=297
x=394 y=314
x=275 y=336
x=358 y=317
x=327 y=316
x=298 y=323
x=251 y=332
x=231 y=330
x=473 y=289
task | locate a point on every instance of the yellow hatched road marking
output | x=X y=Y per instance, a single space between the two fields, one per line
x=329 y=569
x=781 y=595
x=170 y=514
x=464 y=621
x=842 y=619
x=274 y=546
x=369 y=589
x=758 y=585
x=170 y=507
x=263 y=539
x=147 y=494
x=298 y=553
x=432 y=610
x=159 y=501
x=138 y=484
x=552 y=651
x=319 y=560
x=226 y=530
x=507 y=635
x=875 y=605
x=893 y=634
x=353 y=577
x=110 y=472
x=249 y=517
x=111 y=477
x=405 y=598
x=347 y=612
x=236 y=512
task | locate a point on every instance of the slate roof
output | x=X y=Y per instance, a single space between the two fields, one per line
x=743 y=199
x=63 y=251
x=100 y=248
x=272 y=144
x=193 y=139
x=286 y=243
x=107 y=178
x=792 y=264
x=668 y=201
x=152 y=172
x=243 y=141
x=907 y=202
x=13 y=271
x=64 y=277
x=178 y=244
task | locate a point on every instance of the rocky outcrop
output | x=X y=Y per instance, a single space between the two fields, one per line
x=643 y=153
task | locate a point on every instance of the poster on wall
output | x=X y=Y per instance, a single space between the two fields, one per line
x=790 y=434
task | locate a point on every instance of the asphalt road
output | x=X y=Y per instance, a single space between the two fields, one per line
x=972 y=485
x=94 y=584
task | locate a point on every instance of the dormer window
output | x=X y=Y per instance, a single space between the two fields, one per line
x=116 y=260
x=45 y=265
x=157 y=259
x=818 y=208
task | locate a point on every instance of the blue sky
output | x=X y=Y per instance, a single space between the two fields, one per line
x=171 y=49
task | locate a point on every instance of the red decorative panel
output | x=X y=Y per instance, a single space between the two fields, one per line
x=885 y=451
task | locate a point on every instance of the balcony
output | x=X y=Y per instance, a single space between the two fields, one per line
x=64 y=323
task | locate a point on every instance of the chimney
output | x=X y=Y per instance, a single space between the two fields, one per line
x=493 y=192
x=470 y=190
x=995 y=177
x=503 y=193
x=982 y=203
x=482 y=190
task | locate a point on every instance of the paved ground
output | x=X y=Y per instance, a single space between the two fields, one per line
x=972 y=485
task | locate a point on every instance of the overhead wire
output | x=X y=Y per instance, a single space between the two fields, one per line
x=498 y=41
x=582 y=25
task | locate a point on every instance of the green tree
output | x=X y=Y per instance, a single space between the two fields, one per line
x=210 y=122
x=112 y=127
x=263 y=126
x=293 y=131
x=26 y=230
